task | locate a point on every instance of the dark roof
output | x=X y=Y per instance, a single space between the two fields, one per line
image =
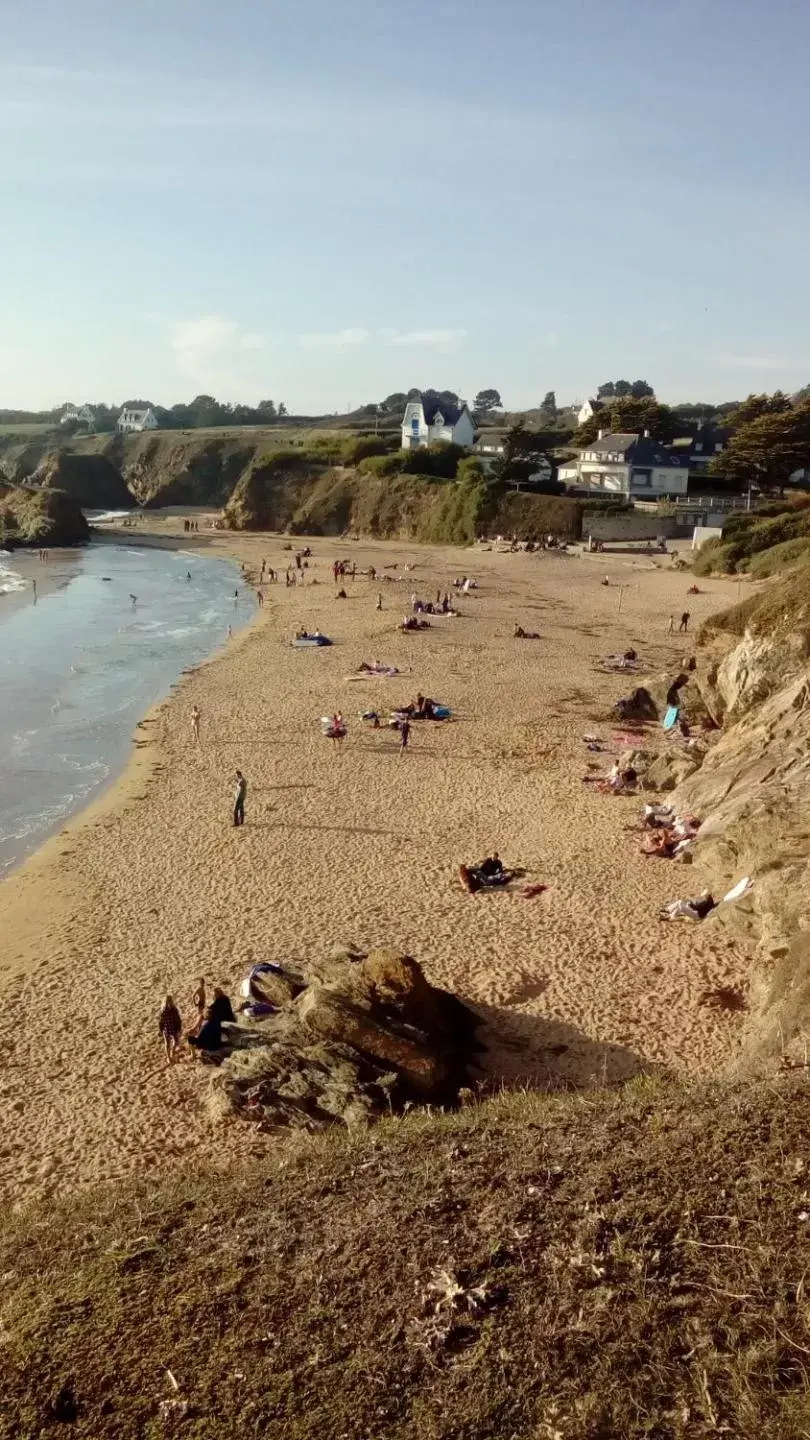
x=450 y=413
x=635 y=450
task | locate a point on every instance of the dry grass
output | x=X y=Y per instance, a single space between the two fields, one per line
x=620 y=1264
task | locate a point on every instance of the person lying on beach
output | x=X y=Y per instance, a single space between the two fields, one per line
x=618 y=781
x=170 y=1028
x=410 y=622
x=696 y=909
x=520 y=634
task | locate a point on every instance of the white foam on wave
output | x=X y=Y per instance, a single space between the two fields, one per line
x=11 y=581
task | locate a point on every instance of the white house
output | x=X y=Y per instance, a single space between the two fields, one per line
x=631 y=466
x=426 y=421
x=588 y=410
x=133 y=419
x=85 y=416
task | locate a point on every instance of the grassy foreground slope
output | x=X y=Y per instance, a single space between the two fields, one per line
x=580 y=1267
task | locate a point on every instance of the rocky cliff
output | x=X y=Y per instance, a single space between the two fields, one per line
x=93 y=481
x=40 y=517
x=753 y=792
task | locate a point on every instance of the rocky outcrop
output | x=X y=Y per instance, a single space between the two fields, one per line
x=753 y=794
x=93 y=481
x=41 y=518
x=354 y=1037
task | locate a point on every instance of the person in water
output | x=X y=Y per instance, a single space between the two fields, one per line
x=170 y=1028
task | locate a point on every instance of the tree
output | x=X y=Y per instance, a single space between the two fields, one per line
x=767 y=449
x=282 y=411
x=395 y=403
x=266 y=411
x=523 y=453
x=443 y=397
x=606 y=391
x=640 y=390
x=618 y=389
x=630 y=417
x=486 y=401
x=755 y=406
x=548 y=409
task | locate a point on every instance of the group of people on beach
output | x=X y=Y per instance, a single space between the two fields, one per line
x=191 y=526
x=205 y=1035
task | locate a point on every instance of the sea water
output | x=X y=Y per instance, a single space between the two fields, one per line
x=81 y=666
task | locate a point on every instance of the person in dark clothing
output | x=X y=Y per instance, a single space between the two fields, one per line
x=493 y=865
x=219 y=1013
x=685 y=618
x=239 y=799
x=170 y=1028
x=404 y=734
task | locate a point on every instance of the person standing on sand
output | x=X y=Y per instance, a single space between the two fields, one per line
x=170 y=1028
x=671 y=626
x=260 y=598
x=685 y=618
x=195 y=724
x=379 y=601
x=404 y=735
x=239 y=799
x=200 y=1001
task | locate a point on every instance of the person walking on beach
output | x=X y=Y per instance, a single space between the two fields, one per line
x=379 y=601
x=260 y=598
x=671 y=624
x=195 y=724
x=239 y=799
x=685 y=618
x=34 y=585
x=170 y=1028
x=404 y=735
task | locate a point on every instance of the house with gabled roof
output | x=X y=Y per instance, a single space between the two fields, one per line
x=134 y=419
x=427 y=421
x=628 y=466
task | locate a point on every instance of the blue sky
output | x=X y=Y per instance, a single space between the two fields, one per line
x=323 y=201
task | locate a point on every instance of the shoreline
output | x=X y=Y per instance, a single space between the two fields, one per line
x=105 y=793
x=150 y=886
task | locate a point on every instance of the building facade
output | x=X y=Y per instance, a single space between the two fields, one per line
x=427 y=421
x=134 y=420
x=630 y=467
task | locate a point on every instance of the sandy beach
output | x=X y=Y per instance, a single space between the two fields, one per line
x=153 y=887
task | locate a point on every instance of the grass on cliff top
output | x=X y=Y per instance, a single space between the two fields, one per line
x=588 y=1267
x=777 y=610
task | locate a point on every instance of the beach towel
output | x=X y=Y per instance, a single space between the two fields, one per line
x=671 y=717
x=741 y=888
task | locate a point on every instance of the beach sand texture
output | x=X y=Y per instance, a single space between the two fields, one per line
x=154 y=887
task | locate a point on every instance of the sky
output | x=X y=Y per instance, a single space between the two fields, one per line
x=325 y=201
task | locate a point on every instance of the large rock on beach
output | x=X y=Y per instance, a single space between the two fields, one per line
x=46 y=519
x=368 y=1035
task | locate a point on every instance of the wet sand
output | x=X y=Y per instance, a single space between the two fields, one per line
x=153 y=886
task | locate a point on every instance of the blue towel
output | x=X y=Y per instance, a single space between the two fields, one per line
x=671 y=717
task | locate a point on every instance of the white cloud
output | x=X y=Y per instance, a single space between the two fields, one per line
x=425 y=339
x=197 y=342
x=333 y=339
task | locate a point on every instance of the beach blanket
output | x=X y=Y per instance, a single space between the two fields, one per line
x=309 y=642
x=671 y=717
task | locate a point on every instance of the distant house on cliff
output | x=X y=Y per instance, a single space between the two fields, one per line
x=72 y=416
x=425 y=421
x=137 y=419
x=631 y=467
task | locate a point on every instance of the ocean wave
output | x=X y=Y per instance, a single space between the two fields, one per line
x=11 y=581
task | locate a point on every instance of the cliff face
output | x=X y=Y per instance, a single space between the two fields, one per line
x=283 y=492
x=43 y=518
x=91 y=480
x=753 y=792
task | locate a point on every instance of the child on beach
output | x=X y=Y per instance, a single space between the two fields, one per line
x=195 y=724
x=199 y=1000
x=170 y=1028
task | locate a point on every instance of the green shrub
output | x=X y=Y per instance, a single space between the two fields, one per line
x=382 y=465
x=710 y=557
x=779 y=557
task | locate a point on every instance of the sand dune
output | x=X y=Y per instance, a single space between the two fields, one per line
x=154 y=887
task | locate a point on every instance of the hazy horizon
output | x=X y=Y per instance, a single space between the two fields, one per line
x=322 y=204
